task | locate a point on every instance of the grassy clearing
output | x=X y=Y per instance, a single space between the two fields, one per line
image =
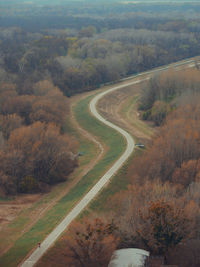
x=128 y=109
x=47 y=223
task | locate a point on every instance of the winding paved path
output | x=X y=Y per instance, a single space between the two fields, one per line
x=52 y=237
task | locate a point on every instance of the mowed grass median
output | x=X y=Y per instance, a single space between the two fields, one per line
x=115 y=145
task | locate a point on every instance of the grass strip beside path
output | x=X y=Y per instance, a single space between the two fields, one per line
x=115 y=144
x=28 y=216
x=118 y=183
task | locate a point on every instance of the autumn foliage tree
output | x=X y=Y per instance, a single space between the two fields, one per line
x=163 y=226
x=33 y=152
x=176 y=143
x=9 y=123
x=39 y=152
x=188 y=172
x=161 y=94
x=91 y=244
x=127 y=206
x=50 y=108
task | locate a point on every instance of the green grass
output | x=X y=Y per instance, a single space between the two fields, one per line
x=141 y=125
x=115 y=143
x=119 y=182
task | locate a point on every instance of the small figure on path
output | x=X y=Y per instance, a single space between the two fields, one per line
x=39 y=245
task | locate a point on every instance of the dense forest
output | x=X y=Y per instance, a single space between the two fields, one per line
x=79 y=46
x=49 y=53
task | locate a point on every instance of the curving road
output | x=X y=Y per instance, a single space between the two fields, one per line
x=51 y=238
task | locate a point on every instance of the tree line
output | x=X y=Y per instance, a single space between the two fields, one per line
x=34 y=150
x=77 y=61
x=164 y=92
x=79 y=46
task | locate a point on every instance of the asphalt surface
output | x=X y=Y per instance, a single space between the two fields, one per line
x=53 y=236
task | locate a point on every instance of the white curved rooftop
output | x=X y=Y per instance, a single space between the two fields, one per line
x=129 y=257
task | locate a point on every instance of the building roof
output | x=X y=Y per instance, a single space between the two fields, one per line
x=130 y=257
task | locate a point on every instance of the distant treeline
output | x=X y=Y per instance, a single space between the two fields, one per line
x=81 y=60
x=101 y=15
